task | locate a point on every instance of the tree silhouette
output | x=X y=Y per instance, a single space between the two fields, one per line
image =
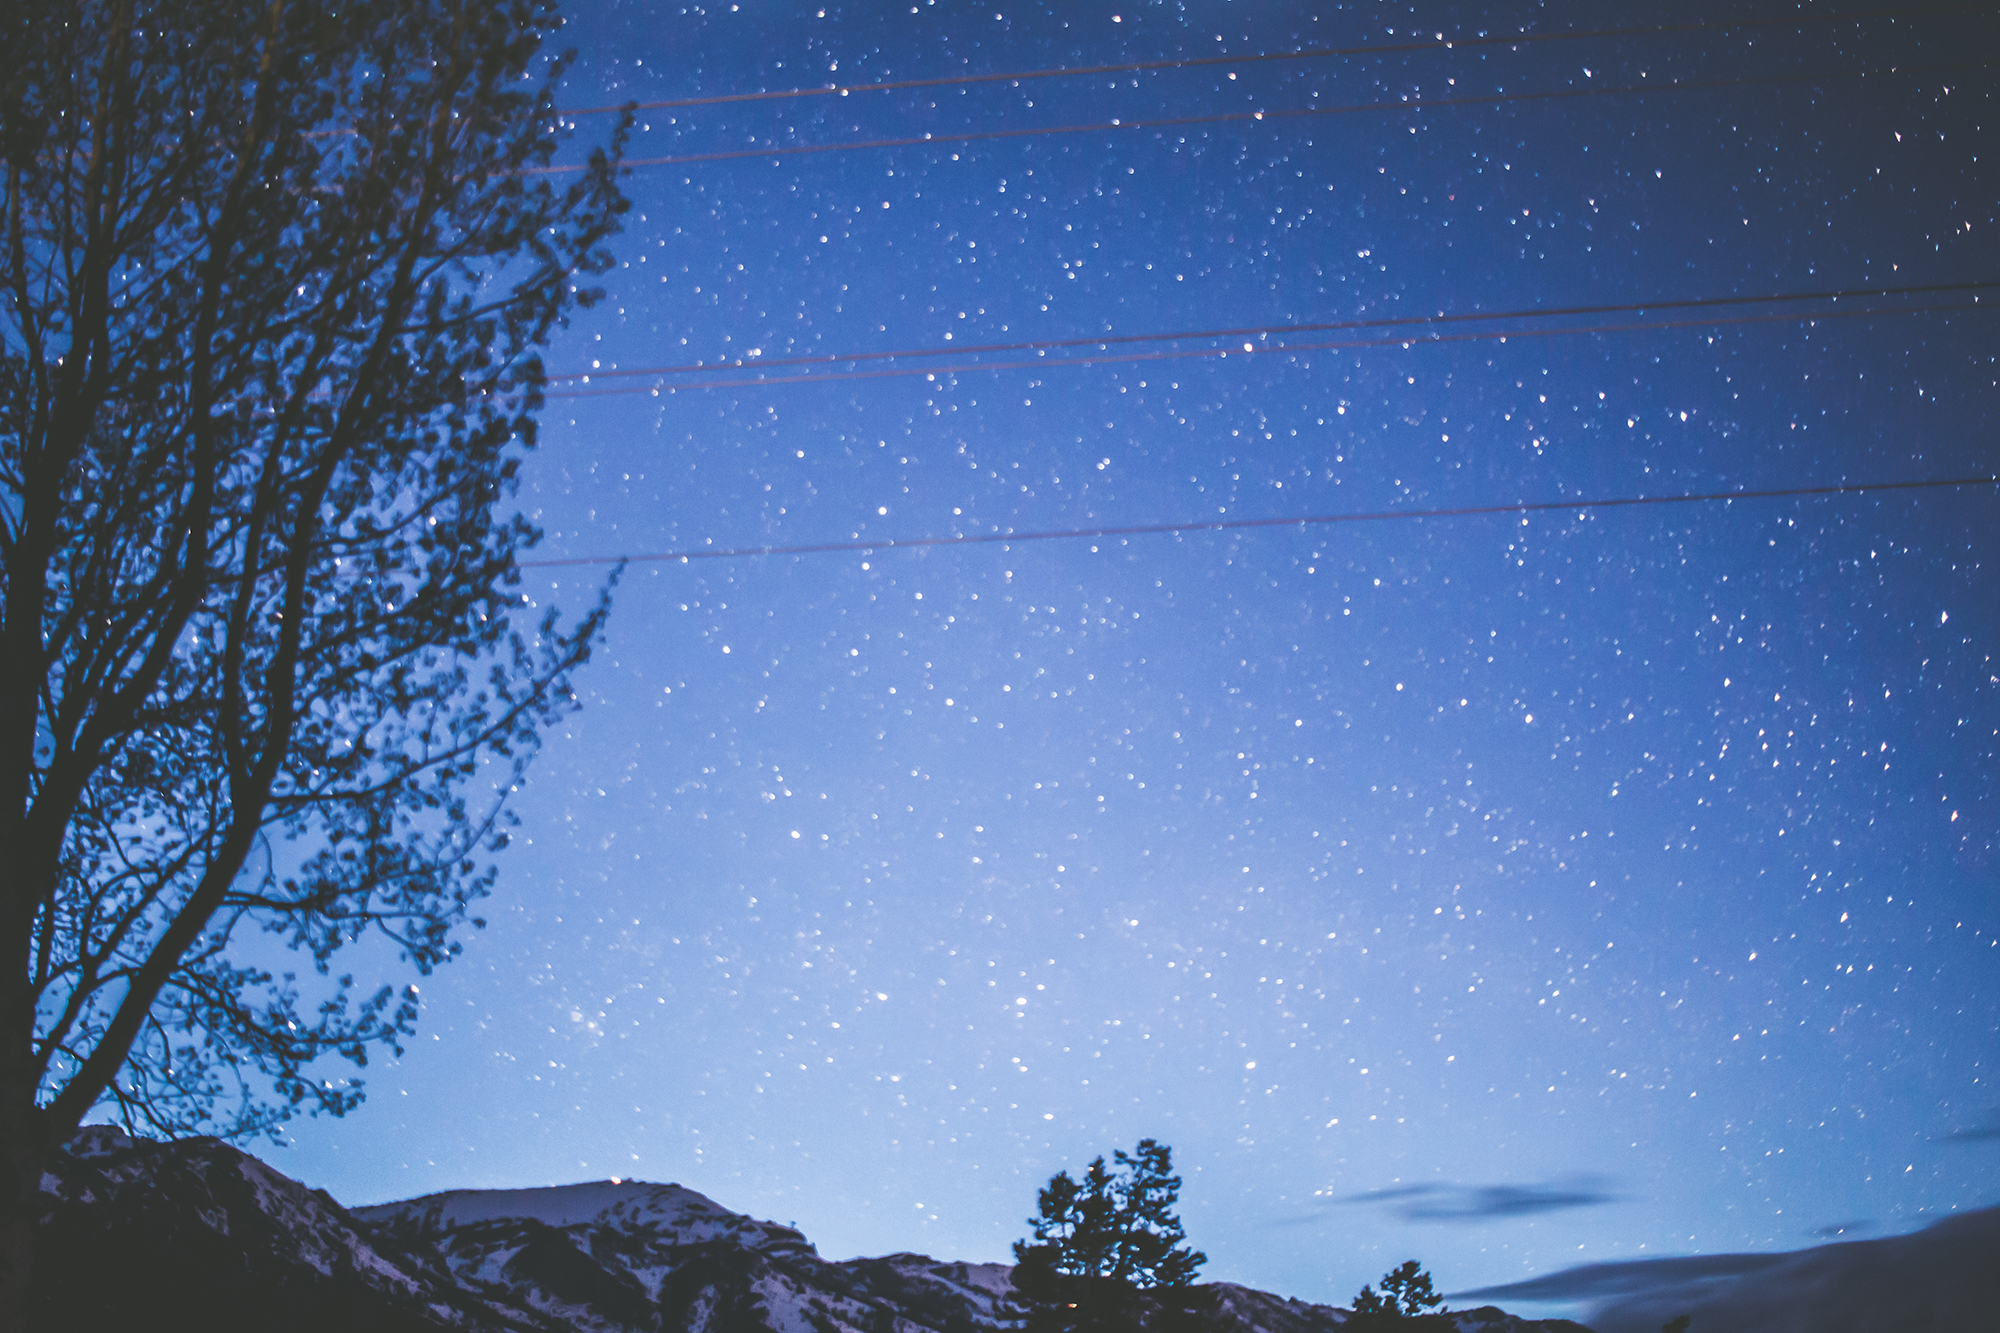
x=1117 y=1224
x=1405 y=1299
x=1100 y=1239
x=273 y=279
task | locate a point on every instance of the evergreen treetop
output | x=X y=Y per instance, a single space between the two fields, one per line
x=1406 y=1294
x=1116 y=1222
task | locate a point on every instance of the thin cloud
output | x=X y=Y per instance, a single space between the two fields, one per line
x=1484 y=1203
x=1985 y=1131
x=1627 y=1278
x=1392 y=1194
x=1506 y=1201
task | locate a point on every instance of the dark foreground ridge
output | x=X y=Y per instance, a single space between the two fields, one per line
x=1943 y=1279
x=137 y=1234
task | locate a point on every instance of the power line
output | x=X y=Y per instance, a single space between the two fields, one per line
x=1441 y=43
x=1203 y=525
x=1231 y=117
x=1212 y=353
x=1266 y=330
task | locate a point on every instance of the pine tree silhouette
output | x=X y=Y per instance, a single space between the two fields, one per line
x=1406 y=1303
x=1098 y=1241
x=1117 y=1224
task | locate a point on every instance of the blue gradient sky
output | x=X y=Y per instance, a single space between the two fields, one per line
x=1502 y=892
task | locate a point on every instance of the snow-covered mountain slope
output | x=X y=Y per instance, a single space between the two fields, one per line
x=137 y=1234
x=672 y=1212
x=606 y=1257
x=199 y=1235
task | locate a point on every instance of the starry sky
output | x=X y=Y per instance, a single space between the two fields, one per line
x=1507 y=891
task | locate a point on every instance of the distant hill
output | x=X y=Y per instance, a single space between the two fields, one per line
x=1943 y=1279
x=137 y=1234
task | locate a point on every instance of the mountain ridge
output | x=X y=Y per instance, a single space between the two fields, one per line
x=226 y=1243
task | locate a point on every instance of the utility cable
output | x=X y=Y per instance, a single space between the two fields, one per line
x=1266 y=330
x=1231 y=117
x=1440 y=43
x=1247 y=350
x=1221 y=525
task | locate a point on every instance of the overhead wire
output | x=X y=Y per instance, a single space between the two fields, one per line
x=1417 y=103
x=1248 y=350
x=1439 y=43
x=1238 y=524
x=1121 y=124
x=1262 y=330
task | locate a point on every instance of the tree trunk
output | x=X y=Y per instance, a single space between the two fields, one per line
x=21 y=1157
x=17 y=1222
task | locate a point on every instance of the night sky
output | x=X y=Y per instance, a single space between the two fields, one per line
x=1506 y=891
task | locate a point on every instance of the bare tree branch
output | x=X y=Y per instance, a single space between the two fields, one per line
x=264 y=665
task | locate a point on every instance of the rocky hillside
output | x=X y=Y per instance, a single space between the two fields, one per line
x=198 y=1235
